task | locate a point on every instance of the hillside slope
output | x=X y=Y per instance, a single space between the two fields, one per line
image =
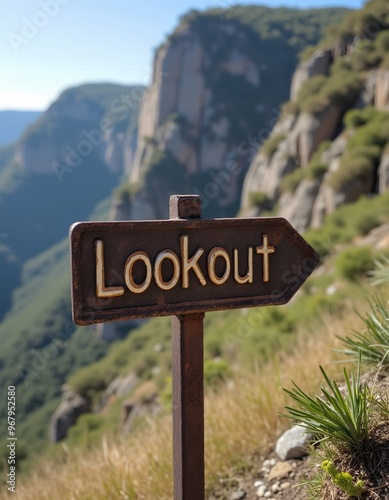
x=62 y=166
x=73 y=157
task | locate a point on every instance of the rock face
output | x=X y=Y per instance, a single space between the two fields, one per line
x=299 y=206
x=192 y=119
x=70 y=408
x=180 y=88
x=88 y=121
x=383 y=173
x=318 y=64
x=382 y=90
x=298 y=145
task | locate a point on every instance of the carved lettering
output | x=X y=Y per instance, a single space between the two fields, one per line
x=190 y=263
x=167 y=255
x=101 y=290
x=130 y=282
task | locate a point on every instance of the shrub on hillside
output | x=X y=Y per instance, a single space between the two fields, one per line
x=290 y=182
x=340 y=89
x=358 y=117
x=260 y=200
x=270 y=146
x=351 y=168
x=90 y=380
x=315 y=170
x=126 y=191
x=349 y=221
x=354 y=263
x=382 y=41
x=216 y=371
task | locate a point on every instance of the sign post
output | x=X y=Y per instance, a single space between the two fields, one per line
x=188 y=385
x=183 y=267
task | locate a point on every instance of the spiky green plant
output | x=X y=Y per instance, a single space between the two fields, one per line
x=381 y=273
x=336 y=417
x=372 y=344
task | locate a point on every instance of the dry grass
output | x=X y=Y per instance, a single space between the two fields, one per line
x=241 y=420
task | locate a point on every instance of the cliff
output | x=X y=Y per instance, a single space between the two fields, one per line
x=217 y=83
x=98 y=119
x=329 y=146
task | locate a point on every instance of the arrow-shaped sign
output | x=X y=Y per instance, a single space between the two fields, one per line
x=135 y=269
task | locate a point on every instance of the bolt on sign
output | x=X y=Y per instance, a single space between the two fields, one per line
x=185 y=266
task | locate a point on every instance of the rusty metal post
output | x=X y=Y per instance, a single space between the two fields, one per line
x=188 y=384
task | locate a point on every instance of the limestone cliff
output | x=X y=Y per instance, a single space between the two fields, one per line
x=94 y=119
x=330 y=145
x=217 y=83
x=182 y=114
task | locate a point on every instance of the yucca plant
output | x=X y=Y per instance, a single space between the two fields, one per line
x=339 y=417
x=372 y=344
x=381 y=273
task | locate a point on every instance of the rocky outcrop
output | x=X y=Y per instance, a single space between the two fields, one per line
x=66 y=415
x=302 y=134
x=190 y=110
x=298 y=207
x=179 y=105
x=120 y=386
x=382 y=90
x=383 y=174
x=94 y=121
x=294 y=151
x=318 y=64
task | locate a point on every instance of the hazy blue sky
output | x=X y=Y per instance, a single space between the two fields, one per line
x=78 y=41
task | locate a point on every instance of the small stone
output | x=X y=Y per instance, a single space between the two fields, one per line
x=267 y=463
x=261 y=491
x=275 y=488
x=238 y=495
x=267 y=494
x=285 y=485
x=257 y=484
x=273 y=461
x=280 y=470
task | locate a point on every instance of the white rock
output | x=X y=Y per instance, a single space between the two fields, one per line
x=293 y=443
x=261 y=491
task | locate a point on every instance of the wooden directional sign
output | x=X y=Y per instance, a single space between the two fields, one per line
x=184 y=267
x=125 y=270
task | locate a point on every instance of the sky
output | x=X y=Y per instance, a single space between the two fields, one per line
x=47 y=46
